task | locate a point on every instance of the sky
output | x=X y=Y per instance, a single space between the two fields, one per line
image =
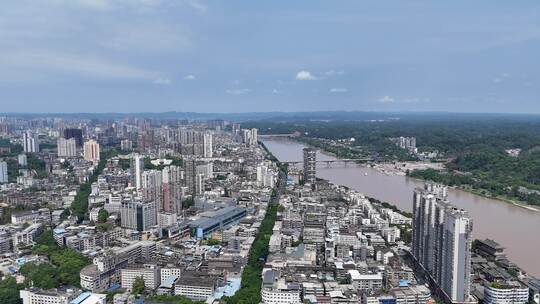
x=244 y=56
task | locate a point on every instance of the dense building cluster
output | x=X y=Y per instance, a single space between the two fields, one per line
x=134 y=210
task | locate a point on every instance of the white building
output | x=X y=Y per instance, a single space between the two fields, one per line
x=278 y=291
x=30 y=142
x=22 y=159
x=3 y=172
x=195 y=288
x=512 y=293
x=207 y=145
x=66 y=147
x=48 y=296
x=149 y=273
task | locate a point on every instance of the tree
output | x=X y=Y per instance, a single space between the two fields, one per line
x=138 y=286
x=103 y=215
x=9 y=291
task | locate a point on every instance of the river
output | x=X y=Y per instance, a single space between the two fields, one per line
x=513 y=227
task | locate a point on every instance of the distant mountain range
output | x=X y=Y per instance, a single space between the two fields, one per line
x=287 y=116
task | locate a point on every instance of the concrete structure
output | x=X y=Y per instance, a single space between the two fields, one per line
x=442 y=237
x=30 y=142
x=3 y=172
x=195 y=288
x=207 y=145
x=310 y=163
x=218 y=220
x=66 y=147
x=140 y=216
x=137 y=168
x=75 y=134
x=149 y=273
x=505 y=293
x=91 y=150
x=49 y=296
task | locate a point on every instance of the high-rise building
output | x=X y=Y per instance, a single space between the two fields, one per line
x=126 y=145
x=442 y=238
x=3 y=172
x=137 y=168
x=23 y=160
x=66 y=147
x=250 y=136
x=140 y=216
x=310 y=165
x=191 y=172
x=91 y=150
x=75 y=134
x=207 y=145
x=30 y=142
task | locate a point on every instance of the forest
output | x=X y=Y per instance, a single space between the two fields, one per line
x=474 y=147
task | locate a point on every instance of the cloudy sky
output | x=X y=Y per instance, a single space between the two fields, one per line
x=239 y=56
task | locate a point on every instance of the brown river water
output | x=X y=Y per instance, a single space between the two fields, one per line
x=514 y=227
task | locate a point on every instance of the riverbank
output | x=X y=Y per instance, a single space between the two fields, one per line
x=402 y=168
x=504 y=222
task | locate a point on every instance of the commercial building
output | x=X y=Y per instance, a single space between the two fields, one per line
x=217 y=220
x=91 y=150
x=75 y=134
x=310 y=165
x=442 y=237
x=140 y=216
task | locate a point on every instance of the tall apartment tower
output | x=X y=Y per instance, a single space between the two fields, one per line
x=442 y=240
x=30 y=142
x=66 y=147
x=3 y=172
x=207 y=145
x=310 y=168
x=91 y=150
x=137 y=168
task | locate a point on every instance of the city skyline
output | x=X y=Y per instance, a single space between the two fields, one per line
x=156 y=56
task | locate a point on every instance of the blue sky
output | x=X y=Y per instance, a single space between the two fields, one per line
x=239 y=56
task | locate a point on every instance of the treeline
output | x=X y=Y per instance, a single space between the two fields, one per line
x=62 y=269
x=475 y=146
x=250 y=291
x=79 y=206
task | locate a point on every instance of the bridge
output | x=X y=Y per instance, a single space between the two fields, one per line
x=276 y=135
x=344 y=161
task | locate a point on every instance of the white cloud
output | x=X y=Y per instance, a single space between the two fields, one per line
x=338 y=90
x=162 y=81
x=189 y=77
x=497 y=80
x=386 y=99
x=237 y=91
x=305 y=75
x=275 y=91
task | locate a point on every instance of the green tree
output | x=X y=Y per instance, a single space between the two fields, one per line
x=138 y=286
x=103 y=215
x=9 y=291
